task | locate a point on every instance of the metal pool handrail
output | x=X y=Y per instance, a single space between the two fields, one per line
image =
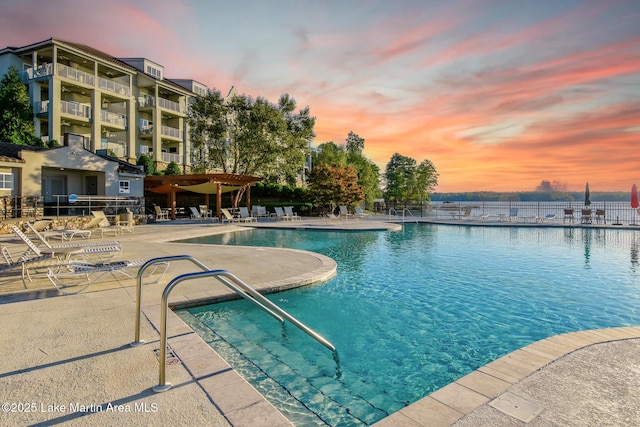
x=229 y=280
x=403 y=214
x=137 y=341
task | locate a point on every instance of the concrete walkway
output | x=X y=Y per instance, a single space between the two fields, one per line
x=67 y=359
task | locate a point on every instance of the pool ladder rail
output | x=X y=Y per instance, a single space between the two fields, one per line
x=404 y=211
x=226 y=278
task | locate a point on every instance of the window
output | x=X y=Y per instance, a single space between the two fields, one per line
x=155 y=72
x=124 y=187
x=6 y=181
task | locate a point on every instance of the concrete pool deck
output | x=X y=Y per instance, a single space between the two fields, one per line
x=67 y=359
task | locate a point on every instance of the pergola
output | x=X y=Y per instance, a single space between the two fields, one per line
x=209 y=183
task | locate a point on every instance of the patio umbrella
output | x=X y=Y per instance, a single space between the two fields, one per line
x=634 y=197
x=587 y=202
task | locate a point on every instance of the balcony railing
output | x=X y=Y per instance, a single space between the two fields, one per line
x=170 y=157
x=74 y=74
x=118 y=148
x=169 y=105
x=170 y=132
x=41 y=71
x=76 y=109
x=115 y=87
x=113 y=118
x=42 y=107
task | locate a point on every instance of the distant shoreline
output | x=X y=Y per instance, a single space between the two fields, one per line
x=531 y=196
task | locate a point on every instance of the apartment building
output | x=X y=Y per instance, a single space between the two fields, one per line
x=125 y=106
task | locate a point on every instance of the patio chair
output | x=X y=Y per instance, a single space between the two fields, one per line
x=195 y=214
x=230 y=218
x=106 y=250
x=288 y=211
x=280 y=215
x=568 y=215
x=262 y=212
x=601 y=215
x=104 y=225
x=344 y=212
x=206 y=212
x=244 y=215
x=585 y=217
x=161 y=213
x=85 y=274
x=46 y=243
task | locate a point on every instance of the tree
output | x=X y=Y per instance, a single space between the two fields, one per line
x=147 y=164
x=332 y=185
x=408 y=182
x=400 y=177
x=355 y=144
x=426 y=180
x=173 y=169
x=16 y=115
x=247 y=136
x=329 y=153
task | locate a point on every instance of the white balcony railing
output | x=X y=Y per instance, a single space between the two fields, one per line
x=117 y=148
x=74 y=74
x=113 y=118
x=114 y=87
x=146 y=101
x=170 y=157
x=41 y=71
x=75 y=109
x=42 y=107
x=169 y=105
x=170 y=132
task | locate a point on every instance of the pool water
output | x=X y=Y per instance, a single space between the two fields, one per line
x=411 y=311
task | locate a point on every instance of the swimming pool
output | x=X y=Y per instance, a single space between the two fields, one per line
x=412 y=311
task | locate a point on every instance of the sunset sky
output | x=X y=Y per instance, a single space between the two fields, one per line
x=499 y=95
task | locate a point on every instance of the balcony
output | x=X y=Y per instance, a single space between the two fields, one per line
x=113 y=87
x=117 y=148
x=42 y=107
x=43 y=70
x=75 y=109
x=170 y=157
x=74 y=74
x=169 y=105
x=113 y=118
x=170 y=132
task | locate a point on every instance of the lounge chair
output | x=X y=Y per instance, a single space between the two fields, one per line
x=161 y=213
x=98 y=250
x=550 y=217
x=288 y=211
x=344 y=212
x=85 y=274
x=230 y=218
x=244 y=215
x=195 y=214
x=104 y=225
x=46 y=243
x=280 y=215
x=568 y=215
x=585 y=217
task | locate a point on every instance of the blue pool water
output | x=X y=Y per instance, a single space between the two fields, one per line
x=412 y=311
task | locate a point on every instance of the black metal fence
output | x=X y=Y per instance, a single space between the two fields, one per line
x=62 y=205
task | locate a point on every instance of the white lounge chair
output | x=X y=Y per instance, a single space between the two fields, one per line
x=195 y=214
x=280 y=215
x=288 y=211
x=344 y=212
x=85 y=274
x=161 y=213
x=244 y=215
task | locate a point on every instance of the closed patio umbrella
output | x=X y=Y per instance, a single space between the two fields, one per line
x=634 y=202
x=587 y=201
